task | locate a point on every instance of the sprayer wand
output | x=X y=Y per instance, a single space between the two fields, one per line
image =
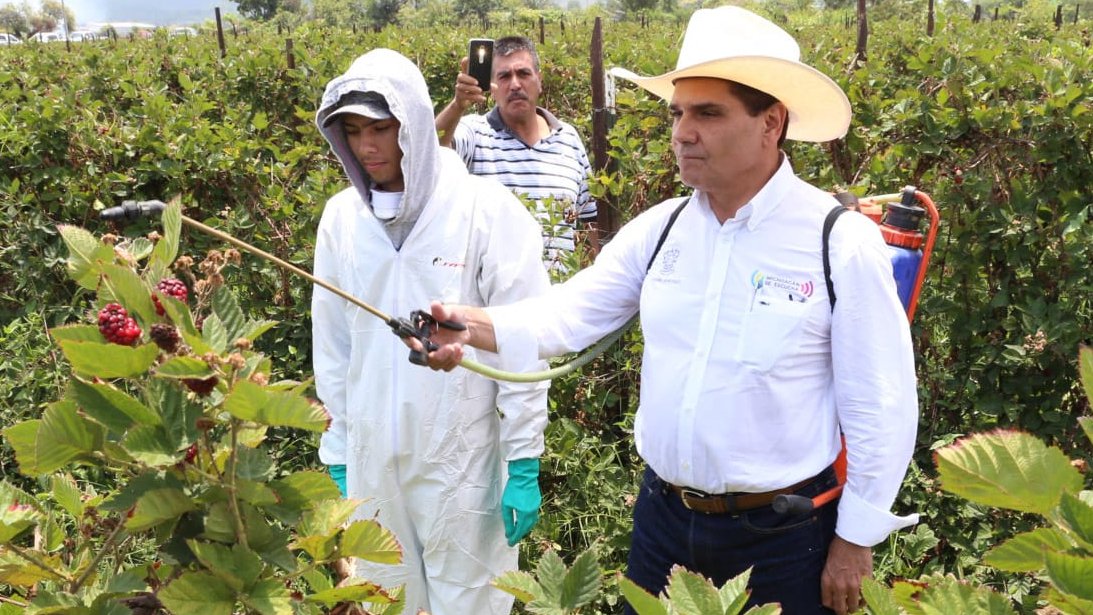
x=419 y=325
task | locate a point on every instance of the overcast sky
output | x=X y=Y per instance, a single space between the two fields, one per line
x=158 y=12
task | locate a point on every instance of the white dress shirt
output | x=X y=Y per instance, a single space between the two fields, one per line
x=747 y=373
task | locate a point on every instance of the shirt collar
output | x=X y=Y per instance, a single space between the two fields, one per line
x=763 y=204
x=495 y=121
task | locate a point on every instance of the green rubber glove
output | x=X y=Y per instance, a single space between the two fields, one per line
x=337 y=472
x=521 y=499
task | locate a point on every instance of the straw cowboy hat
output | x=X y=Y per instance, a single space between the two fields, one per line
x=731 y=43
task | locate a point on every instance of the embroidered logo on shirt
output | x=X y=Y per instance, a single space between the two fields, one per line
x=668 y=261
x=442 y=262
x=770 y=284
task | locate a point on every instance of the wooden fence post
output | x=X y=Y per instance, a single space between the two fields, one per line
x=863 y=34
x=290 y=57
x=930 y=18
x=1058 y=16
x=542 y=30
x=220 y=33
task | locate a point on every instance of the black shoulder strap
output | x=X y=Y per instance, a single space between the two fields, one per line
x=664 y=233
x=829 y=222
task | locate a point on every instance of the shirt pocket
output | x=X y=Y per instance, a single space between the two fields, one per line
x=768 y=331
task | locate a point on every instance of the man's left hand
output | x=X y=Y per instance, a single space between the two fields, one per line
x=840 y=585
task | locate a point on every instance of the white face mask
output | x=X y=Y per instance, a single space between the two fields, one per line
x=386 y=205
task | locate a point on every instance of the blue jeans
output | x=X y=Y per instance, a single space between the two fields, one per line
x=786 y=552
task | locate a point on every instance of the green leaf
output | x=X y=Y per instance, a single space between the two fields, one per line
x=108 y=360
x=642 y=601
x=229 y=314
x=251 y=402
x=257 y=327
x=518 y=583
x=260 y=121
x=21 y=573
x=16 y=519
x=256 y=493
x=86 y=254
x=304 y=489
x=1085 y=371
x=551 y=572
x=766 y=609
x=692 y=593
x=1007 y=469
x=1087 y=426
x=1025 y=552
x=734 y=593
x=269 y=597
x=1071 y=574
x=370 y=541
x=82 y=333
x=64 y=436
x=167 y=247
x=102 y=400
x=184 y=367
x=151 y=446
x=1079 y=516
x=879 y=598
x=582 y=583
x=1067 y=603
x=237 y=566
x=214 y=334
x=23 y=439
x=65 y=492
x=946 y=594
x=132 y=292
x=157 y=506
x=358 y=591
x=198 y=593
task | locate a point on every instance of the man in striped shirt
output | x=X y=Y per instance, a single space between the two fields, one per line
x=524 y=146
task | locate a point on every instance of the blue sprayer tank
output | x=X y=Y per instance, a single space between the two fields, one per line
x=900 y=229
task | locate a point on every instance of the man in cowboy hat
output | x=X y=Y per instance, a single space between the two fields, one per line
x=752 y=373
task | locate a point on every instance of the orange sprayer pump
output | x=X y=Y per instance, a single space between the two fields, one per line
x=899 y=216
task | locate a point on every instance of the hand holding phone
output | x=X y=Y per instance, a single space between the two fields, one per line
x=480 y=62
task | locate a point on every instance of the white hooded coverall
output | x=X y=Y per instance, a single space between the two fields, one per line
x=424 y=450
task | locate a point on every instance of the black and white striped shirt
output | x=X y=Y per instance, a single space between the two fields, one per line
x=553 y=172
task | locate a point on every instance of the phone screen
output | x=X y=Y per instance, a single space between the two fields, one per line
x=480 y=61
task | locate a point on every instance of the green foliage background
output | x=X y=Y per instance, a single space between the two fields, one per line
x=992 y=119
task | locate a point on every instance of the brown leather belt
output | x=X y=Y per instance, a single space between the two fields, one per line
x=717 y=504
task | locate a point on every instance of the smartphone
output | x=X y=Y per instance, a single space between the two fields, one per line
x=480 y=62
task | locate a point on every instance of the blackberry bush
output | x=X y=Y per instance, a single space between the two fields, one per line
x=195 y=517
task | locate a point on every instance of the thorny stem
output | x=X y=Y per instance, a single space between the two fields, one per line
x=233 y=495
x=30 y=557
x=11 y=601
x=93 y=566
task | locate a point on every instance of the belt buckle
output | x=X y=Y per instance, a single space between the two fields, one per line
x=685 y=493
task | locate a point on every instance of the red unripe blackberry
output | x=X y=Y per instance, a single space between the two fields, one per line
x=191 y=453
x=201 y=386
x=165 y=336
x=117 y=326
x=172 y=287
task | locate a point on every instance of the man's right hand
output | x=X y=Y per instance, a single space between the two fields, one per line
x=467 y=91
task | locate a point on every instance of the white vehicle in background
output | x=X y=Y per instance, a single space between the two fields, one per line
x=46 y=37
x=9 y=39
x=182 y=31
x=79 y=36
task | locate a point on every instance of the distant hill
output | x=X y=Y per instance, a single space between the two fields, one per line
x=159 y=13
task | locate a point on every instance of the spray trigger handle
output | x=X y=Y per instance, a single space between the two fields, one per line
x=420 y=326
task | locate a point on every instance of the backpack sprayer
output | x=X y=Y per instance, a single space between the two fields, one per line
x=900 y=218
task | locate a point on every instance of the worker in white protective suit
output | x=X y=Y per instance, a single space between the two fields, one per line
x=446 y=461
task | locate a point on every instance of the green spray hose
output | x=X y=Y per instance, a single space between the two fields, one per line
x=496 y=374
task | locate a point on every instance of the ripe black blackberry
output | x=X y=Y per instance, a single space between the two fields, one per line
x=117 y=326
x=165 y=336
x=201 y=386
